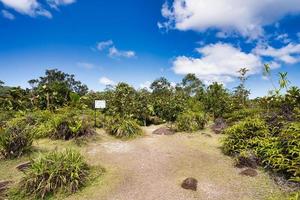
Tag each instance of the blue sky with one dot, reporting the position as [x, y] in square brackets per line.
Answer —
[108, 41]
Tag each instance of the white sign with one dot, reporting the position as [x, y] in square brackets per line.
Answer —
[100, 104]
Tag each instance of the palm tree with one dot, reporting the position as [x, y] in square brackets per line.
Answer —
[283, 81]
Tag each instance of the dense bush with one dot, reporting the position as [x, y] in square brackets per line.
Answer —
[15, 138]
[121, 127]
[240, 114]
[244, 135]
[280, 153]
[283, 152]
[67, 127]
[55, 172]
[5, 116]
[190, 121]
[41, 123]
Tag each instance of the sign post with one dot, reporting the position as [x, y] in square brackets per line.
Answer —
[99, 104]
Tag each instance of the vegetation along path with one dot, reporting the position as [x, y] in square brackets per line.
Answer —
[153, 167]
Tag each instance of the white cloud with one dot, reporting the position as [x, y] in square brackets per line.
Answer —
[8, 15]
[247, 17]
[113, 51]
[85, 65]
[173, 84]
[218, 62]
[56, 3]
[106, 81]
[27, 7]
[289, 54]
[104, 44]
[145, 85]
[283, 38]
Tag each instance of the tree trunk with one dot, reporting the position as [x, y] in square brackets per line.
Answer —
[48, 100]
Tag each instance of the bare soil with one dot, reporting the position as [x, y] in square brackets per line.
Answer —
[153, 167]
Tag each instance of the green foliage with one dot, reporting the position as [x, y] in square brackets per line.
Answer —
[55, 89]
[67, 127]
[192, 86]
[6, 116]
[279, 153]
[190, 121]
[244, 135]
[241, 114]
[241, 94]
[55, 172]
[14, 98]
[122, 128]
[15, 138]
[217, 100]
[290, 143]
[41, 123]
[161, 85]
[294, 196]
[122, 100]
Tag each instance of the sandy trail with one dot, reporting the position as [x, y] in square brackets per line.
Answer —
[153, 167]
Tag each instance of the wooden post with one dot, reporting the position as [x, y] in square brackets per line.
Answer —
[95, 118]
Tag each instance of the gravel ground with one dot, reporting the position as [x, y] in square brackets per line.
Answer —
[152, 168]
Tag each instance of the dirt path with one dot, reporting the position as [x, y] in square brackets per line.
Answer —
[153, 167]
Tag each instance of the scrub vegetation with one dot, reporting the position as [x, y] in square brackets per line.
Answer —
[59, 108]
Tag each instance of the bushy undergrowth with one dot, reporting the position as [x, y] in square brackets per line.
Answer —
[241, 114]
[283, 154]
[55, 172]
[244, 135]
[122, 127]
[277, 152]
[41, 123]
[67, 127]
[190, 121]
[5, 116]
[15, 139]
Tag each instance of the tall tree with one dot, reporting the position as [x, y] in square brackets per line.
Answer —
[121, 100]
[192, 85]
[217, 100]
[53, 90]
[1, 83]
[161, 85]
[241, 93]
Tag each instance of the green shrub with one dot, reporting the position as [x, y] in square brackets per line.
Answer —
[295, 196]
[241, 114]
[67, 127]
[5, 116]
[121, 127]
[42, 123]
[55, 172]
[290, 139]
[15, 139]
[245, 135]
[282, 153]
[190, 121]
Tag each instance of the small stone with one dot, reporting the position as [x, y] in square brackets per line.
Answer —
[23, 166]
[249, 172]
[190, 184]
[164, 131]
[206, 135]
[250, 161]
[219, 125]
